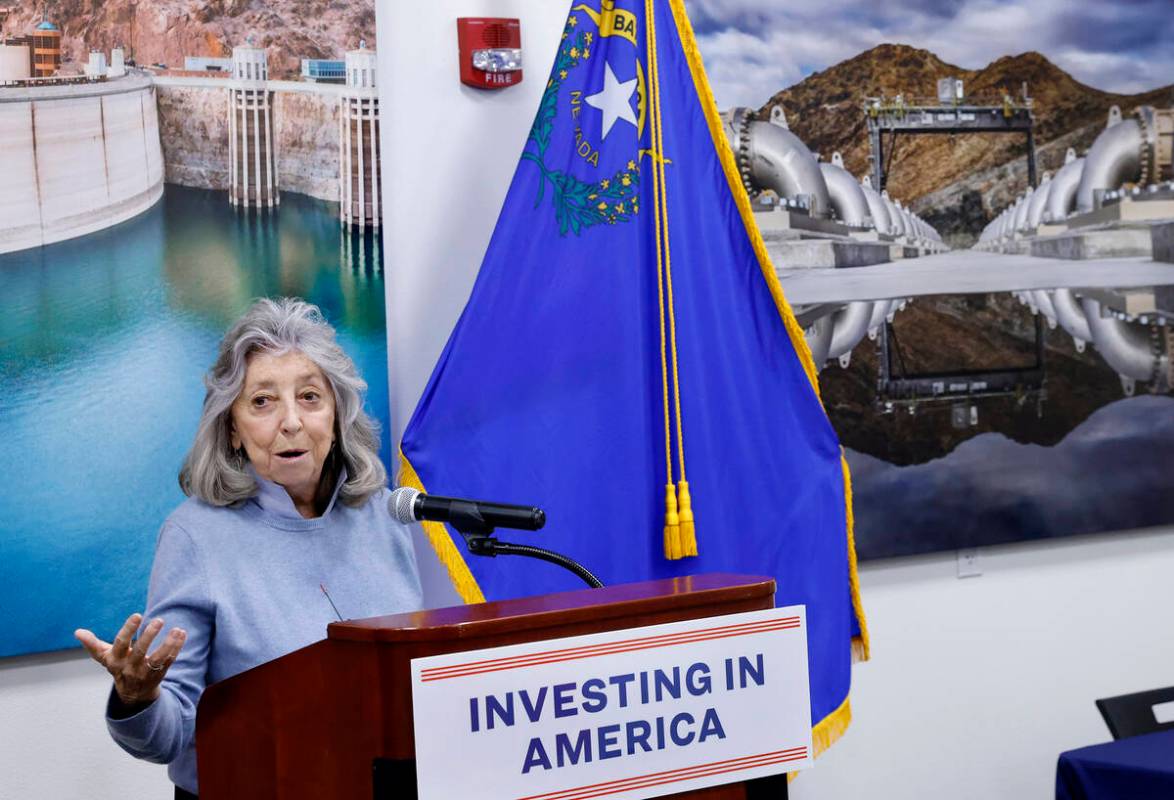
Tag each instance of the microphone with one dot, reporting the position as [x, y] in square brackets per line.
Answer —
[475, 520]
[408, 505]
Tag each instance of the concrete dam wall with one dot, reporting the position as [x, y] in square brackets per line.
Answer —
[76, 158]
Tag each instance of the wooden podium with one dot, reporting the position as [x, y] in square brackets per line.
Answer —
[334, 720]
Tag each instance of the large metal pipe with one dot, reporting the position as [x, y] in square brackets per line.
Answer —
[894, 215]
[1021, 211]
[877, 209]
[906, 222]
[1043, 301]
[1062, 194]
[1071, 317]
[1113, 159]
[819, 339]
[776, 159]
[1004, 221]
[1009, 223]
[847, 199]
[850, 326]
[1035, 209]
[880, 314]
[1123, 346]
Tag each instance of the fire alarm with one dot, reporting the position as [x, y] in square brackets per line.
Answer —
[491, 51]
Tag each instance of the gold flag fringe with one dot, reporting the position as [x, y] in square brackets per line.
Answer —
[831, 727]
[454, 564]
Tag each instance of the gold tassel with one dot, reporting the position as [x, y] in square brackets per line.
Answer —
[672, 525]
[688, 533]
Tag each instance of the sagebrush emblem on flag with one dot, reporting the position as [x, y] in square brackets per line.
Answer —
[585, 194]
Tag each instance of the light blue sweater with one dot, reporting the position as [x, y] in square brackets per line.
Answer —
[244, 583]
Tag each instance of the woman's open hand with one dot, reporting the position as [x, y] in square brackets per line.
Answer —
[137, 675]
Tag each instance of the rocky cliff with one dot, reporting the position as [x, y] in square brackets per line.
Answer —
[193, 126]
[164, 31]
[826, 111]
[306, 127]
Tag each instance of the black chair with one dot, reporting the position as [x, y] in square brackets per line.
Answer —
[1133, 714]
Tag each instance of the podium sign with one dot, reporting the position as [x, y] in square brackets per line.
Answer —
[633, 713]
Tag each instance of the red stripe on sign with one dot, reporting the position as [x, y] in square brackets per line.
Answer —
[745, 626]
[740, 626]
[630, 648]
[675, 775]
[611, 648]
[744, 762]
[608, 648]
[664, 781]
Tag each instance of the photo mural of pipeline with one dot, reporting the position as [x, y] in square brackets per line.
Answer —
[1019, 389]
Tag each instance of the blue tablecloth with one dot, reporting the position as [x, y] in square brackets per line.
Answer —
[1137, 768]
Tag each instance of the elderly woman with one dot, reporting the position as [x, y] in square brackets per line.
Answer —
[286, 518]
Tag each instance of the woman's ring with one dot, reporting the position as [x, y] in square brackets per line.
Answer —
[157, 667]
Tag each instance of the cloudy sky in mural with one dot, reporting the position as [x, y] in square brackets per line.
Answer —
[753, 48]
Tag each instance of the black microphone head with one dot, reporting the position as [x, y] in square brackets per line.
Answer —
[401, 504]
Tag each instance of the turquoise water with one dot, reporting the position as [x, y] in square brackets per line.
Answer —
[104, 341]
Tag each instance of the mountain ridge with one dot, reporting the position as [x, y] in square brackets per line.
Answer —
[165, 31]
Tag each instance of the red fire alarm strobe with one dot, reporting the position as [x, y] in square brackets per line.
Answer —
[491, 51]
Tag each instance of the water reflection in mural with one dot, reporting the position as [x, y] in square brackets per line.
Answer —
[103, 344]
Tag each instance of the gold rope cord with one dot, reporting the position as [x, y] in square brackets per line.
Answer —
[672, 527]
[685, 544]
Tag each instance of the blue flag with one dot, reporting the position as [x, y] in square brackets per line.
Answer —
[627, 360]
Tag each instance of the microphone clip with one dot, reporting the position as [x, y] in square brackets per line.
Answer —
[470, 524]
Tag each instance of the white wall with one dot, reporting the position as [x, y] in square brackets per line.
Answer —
[53, 741]
[975, 686]
[447, 154]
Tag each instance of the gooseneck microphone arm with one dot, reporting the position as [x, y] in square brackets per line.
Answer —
[486, 545]
[476, 522]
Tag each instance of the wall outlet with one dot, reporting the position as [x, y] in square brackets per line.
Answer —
[968, 566]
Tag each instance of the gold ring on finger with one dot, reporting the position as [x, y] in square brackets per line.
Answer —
[157, 667]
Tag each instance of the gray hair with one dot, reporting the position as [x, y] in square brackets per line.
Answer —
[214, 471]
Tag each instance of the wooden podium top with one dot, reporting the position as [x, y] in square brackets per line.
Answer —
[629, 601]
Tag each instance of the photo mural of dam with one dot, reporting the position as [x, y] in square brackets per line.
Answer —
[143, 209]
[106, 341]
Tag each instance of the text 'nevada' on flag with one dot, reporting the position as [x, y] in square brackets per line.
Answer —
[627, 361]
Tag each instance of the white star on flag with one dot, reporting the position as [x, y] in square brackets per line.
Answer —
[615, 101]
